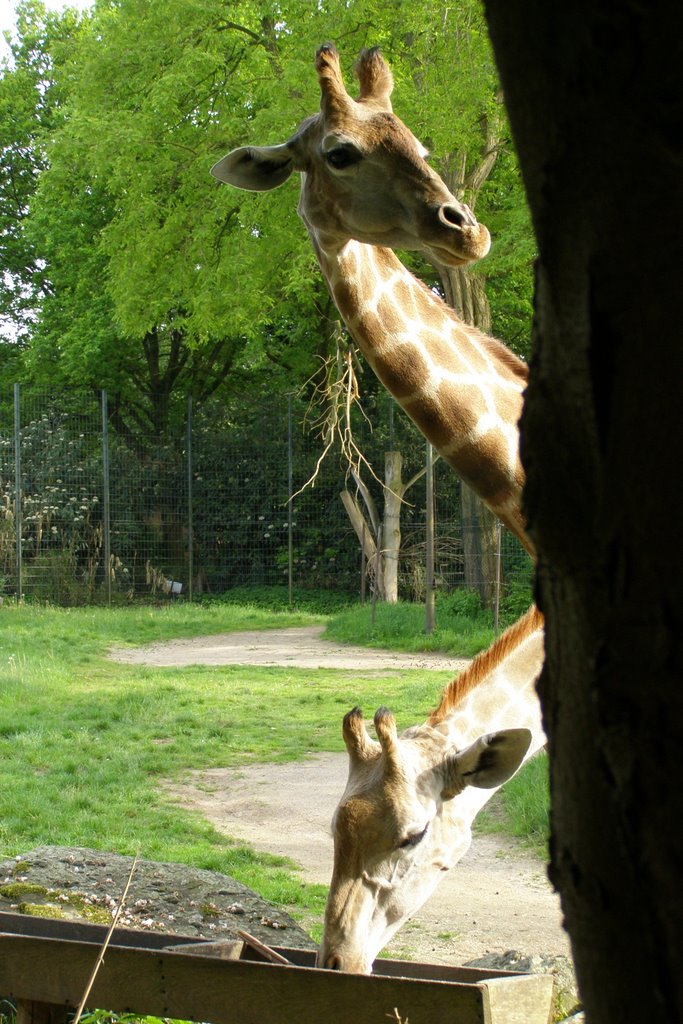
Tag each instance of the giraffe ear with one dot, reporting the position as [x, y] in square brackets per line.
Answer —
[487, 763]
[255, 168]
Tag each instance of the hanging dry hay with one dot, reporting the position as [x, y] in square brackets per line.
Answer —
[337, 394]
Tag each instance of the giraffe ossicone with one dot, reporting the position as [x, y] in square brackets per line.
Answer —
[366, 188]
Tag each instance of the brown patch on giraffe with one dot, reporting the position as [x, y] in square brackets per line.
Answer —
[390, 314]
[478, 463]
[438, 424]
[403, 370]
[485, 663]
[346, 299]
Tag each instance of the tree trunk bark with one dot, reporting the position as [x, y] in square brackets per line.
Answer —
[391, 529]
[595, 102]
[385, 563]
[480, 545]
[466, 293]
[363, 531]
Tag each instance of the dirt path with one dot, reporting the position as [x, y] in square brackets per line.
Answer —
[298, 646]
[497, 898]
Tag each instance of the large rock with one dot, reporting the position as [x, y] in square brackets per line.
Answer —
[566, 999]
[76, 883]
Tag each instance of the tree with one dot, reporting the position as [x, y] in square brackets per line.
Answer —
[149, 286]
[31, 109]
[379, 532]
[595, 100]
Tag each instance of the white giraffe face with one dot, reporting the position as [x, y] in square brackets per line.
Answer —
[404, 818]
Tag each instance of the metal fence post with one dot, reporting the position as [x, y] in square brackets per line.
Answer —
[430, 594]
[499, 558]
[190, 518]
[106, 494]
[17, 489]
[290, 485]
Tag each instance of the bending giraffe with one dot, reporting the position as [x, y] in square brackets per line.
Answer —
[406, 814]
[365, 186]
[408, 807]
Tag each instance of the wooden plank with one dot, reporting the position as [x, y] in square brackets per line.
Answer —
[169, 984]
[80, 931]
[251, 943]
[525, 999]
[221, 949]
[45, 961]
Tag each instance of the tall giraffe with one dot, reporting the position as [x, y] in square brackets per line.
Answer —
[406, 814]
[366, 186]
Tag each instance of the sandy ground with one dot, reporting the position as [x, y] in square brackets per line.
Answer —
[299, 646]
[498, 898]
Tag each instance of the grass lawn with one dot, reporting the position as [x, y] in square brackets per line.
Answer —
[84, 740]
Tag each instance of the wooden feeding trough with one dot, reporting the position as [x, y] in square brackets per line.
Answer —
[45, 966]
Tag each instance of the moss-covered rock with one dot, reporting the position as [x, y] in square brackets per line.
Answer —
[15, 890]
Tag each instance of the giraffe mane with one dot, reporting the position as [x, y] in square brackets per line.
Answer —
[500, 352]
[484, 664]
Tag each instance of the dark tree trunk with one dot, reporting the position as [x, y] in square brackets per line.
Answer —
[479, 545]
[594, 95]
[466, 293]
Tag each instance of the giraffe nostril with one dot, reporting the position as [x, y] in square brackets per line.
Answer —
[456, 215]
[334, 962]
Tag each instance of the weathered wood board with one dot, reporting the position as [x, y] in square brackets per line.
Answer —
[49, 962]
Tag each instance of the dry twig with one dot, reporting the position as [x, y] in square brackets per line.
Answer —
[100, 958]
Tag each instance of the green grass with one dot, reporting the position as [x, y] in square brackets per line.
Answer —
[525, 802]
[526, 799]
[84, 741]
[401, 627]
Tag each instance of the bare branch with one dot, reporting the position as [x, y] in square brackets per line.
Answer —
[338, 394]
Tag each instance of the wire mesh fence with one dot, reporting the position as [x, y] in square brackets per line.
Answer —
[89, 514]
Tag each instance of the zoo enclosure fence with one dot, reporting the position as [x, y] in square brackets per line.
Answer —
[90, 514]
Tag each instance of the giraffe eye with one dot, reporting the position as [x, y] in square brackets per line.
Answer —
[342, 157]
[414, 839]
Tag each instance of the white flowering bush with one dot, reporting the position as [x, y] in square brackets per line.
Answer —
[61, 510]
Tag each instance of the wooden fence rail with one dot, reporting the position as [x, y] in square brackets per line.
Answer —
[45, 966]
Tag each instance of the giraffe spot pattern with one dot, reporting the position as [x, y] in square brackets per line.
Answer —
[450, 381]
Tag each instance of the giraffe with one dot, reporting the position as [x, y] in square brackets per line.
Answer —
[406, 814]
[366, 187]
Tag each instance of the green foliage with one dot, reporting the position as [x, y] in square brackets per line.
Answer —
[143, 275]
[460, 602]
[518, 597]
[8, 1011]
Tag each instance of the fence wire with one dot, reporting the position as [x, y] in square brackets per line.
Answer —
[89, 514]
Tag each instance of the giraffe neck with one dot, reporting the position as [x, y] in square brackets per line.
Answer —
[461, 388]
[497, 691]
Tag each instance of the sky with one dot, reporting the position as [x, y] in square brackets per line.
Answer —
[8, 15]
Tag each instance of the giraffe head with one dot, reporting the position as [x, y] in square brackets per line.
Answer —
[364, 174]
[404, 818]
